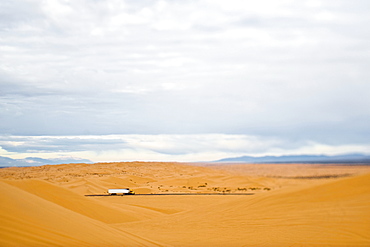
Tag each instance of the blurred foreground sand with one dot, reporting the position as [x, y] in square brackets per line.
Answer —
[290, 205]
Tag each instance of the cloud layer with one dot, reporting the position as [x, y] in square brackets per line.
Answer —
[292, 71]
[186, 148]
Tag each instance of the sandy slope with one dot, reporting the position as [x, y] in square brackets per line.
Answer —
[332, 214]
[47, 206]
[28, 220]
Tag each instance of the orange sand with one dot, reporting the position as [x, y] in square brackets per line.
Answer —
[291, 205]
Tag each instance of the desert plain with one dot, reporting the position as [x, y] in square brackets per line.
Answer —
[179, 204]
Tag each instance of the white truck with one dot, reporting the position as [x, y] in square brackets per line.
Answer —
[126, 191]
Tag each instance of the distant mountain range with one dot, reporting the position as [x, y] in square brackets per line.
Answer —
[305, 159]
[32, 161]
[349, 158]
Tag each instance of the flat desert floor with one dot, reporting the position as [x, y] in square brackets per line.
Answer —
[219, 205]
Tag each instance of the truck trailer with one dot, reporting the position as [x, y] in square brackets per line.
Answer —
[126, 191]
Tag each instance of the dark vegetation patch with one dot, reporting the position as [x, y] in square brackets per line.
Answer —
[326, 176]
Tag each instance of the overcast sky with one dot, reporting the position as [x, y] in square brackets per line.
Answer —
[183, 80]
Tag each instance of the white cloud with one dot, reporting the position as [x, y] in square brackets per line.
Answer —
[282, 70]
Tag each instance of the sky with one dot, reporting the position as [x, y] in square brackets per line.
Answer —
[187, 80]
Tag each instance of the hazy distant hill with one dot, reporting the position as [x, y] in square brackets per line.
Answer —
[33, 161]
[350, 158]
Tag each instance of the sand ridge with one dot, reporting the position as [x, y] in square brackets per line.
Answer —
[47, 206]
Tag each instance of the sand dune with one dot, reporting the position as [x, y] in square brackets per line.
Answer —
[47, 206]
[69, 200]
[28, 220]
[333, 214]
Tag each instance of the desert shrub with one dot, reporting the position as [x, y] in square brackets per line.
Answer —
[254, 188]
